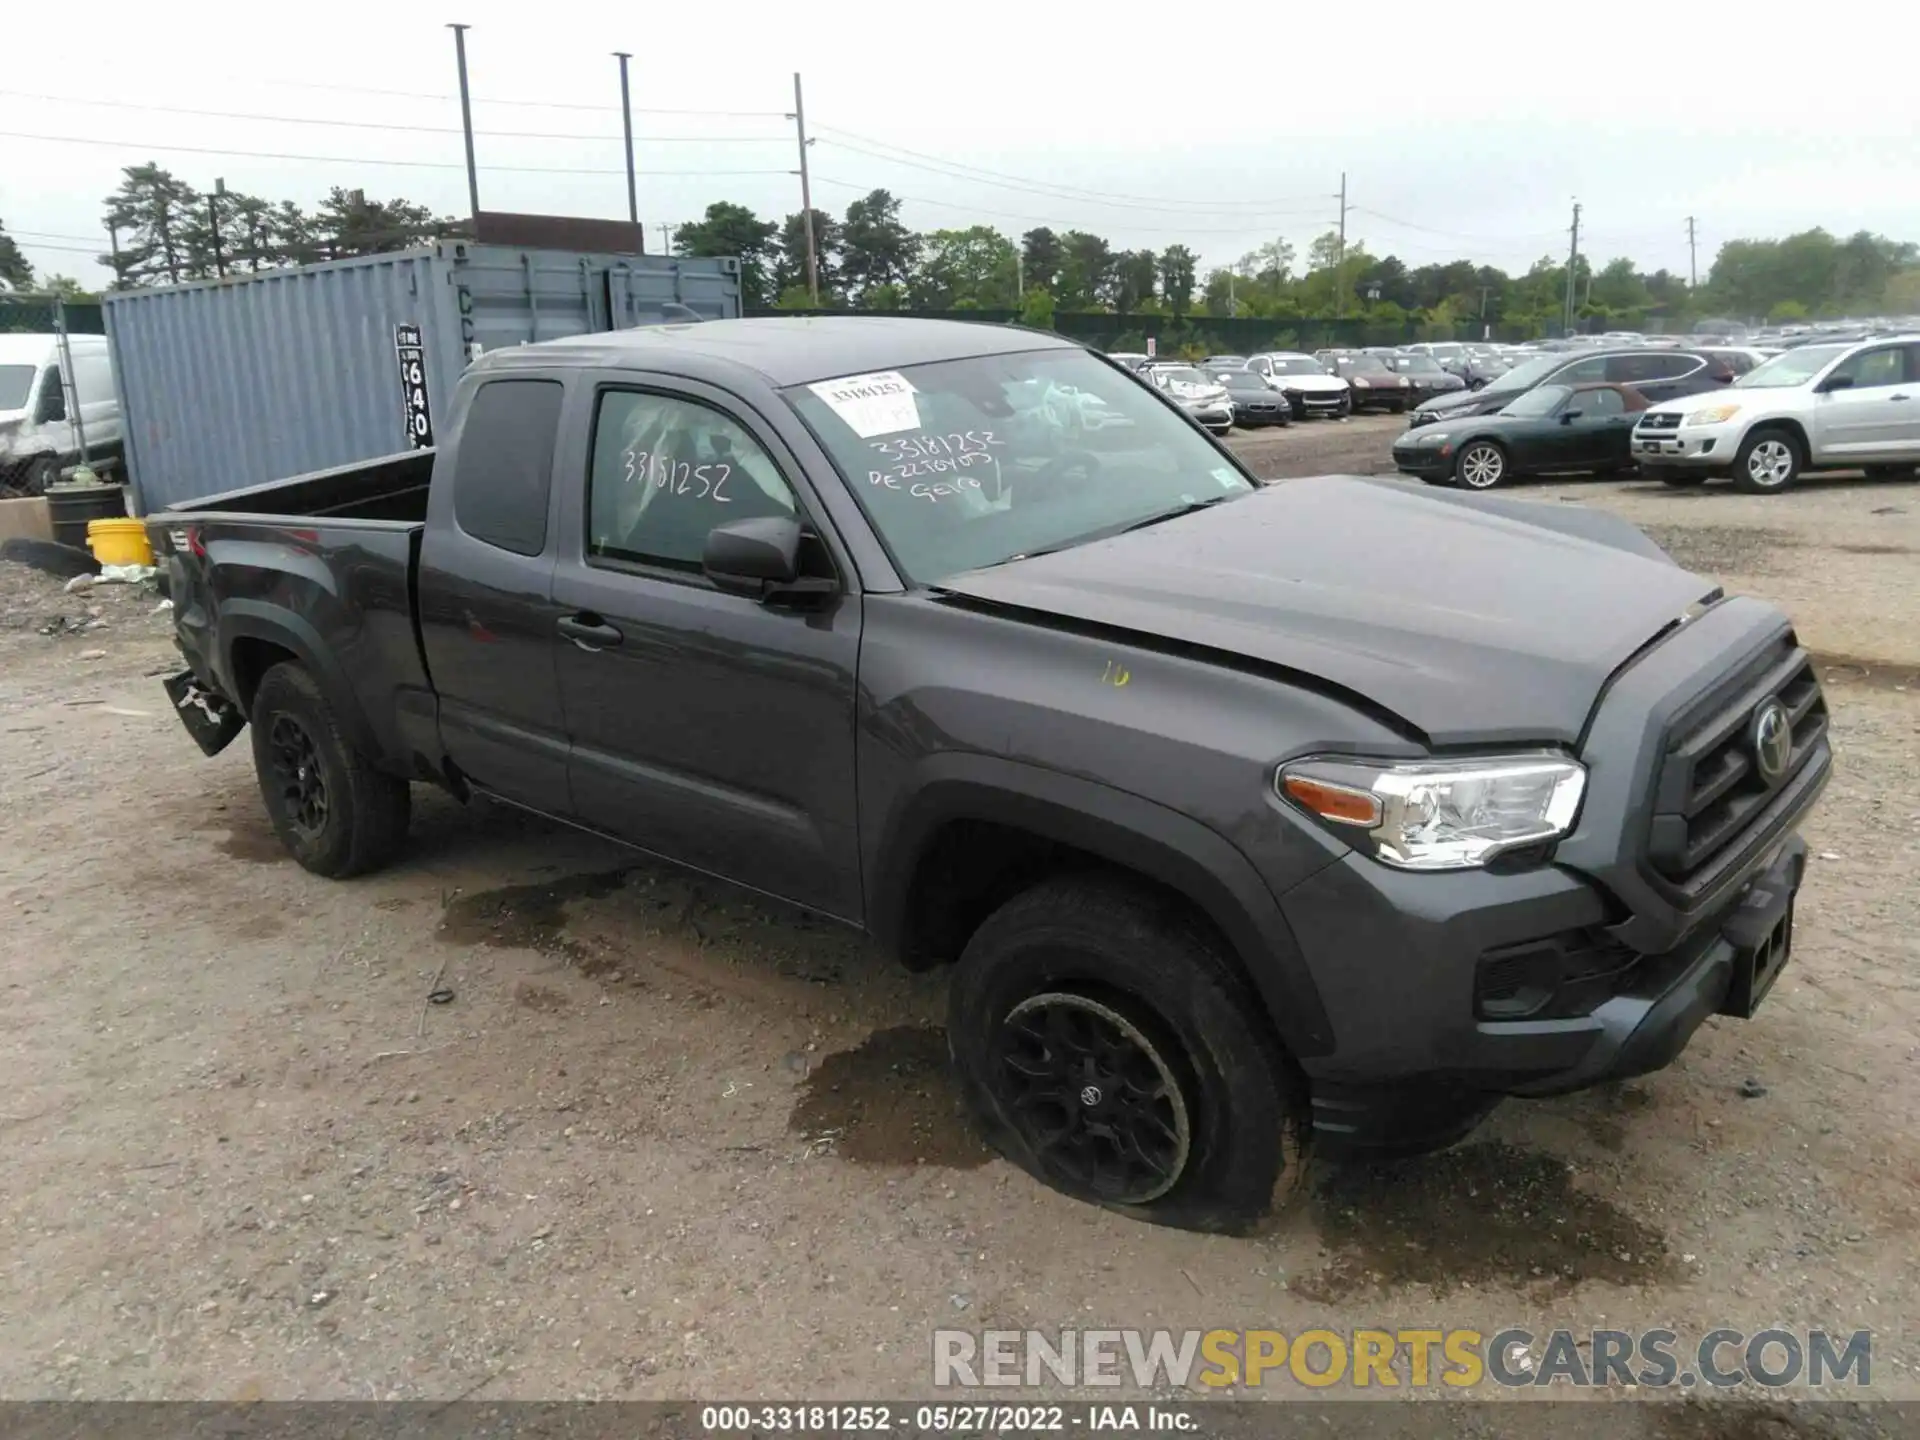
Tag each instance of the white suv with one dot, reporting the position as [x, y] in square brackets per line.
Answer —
[1845, 406]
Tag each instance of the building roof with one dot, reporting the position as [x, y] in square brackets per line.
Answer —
[791, 350]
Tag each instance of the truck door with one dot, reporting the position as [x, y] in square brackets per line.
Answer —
[487, 613]
[708, 728]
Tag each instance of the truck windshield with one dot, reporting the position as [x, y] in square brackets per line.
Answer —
[15, 382]
[966, 463]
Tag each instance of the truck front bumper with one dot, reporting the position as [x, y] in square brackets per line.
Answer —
[1447, 991]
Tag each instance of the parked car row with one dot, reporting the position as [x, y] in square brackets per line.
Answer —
[1683, 416]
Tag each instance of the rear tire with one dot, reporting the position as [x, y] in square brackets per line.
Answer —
[1767, 463]
[1891, 472]
[335, 813]
[1111, 1052]
[1480, 465]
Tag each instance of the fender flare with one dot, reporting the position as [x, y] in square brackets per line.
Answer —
[1119, 827]
[275, 624]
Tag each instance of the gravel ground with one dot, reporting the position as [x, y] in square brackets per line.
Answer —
[664, 1142]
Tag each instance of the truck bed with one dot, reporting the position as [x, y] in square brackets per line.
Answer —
[392, 488]
[320, 568]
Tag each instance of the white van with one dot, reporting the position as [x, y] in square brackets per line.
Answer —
[39, 439]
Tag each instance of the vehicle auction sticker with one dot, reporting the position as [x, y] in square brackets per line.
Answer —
[876, 404]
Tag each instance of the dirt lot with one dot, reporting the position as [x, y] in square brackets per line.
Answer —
[666, 1143]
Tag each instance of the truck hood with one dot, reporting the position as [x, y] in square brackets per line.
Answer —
[1474, 620]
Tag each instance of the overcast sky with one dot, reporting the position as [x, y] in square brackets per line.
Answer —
[1462, 131]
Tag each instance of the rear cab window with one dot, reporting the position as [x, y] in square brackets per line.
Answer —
[503, 474]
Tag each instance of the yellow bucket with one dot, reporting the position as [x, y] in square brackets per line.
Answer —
[119, 542]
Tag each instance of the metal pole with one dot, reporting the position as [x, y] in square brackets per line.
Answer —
[626, 122]
[213, 216]
[67, 382]
[466, 118]
[113, 239]
[1693, 263]
[1573, 259]
[1340, 265]
[806, 193]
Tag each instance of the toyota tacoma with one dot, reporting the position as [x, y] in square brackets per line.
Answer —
[1234, 829]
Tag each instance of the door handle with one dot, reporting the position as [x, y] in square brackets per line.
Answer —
[1899, 397]
[589, 631]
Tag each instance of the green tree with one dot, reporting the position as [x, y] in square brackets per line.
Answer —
[66, 287]
[876, 248]
[972, 269]
[347, 223]
[156, 214]
[15, 272]
[1041, 256]
[1085, 263]
[1131, 279]
[1037, 308]
[730, 229]
[790, 261]
[1177, 267]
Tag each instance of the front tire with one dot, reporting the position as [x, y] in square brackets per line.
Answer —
[1110, 1051]
[1481, 465]
[335, 813]
[1767, 462]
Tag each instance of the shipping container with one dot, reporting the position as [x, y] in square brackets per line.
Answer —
[229, 383]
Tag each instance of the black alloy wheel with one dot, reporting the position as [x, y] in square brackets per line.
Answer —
[299, 777]
[1094, 1098]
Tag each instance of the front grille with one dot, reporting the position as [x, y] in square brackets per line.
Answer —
[1710, 788]
[1660, 420]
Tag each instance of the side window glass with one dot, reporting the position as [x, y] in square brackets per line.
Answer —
[1885, 366]
[1582, 372]
[505, 465]
[1602, 402]
[52, 404]
[665, 472]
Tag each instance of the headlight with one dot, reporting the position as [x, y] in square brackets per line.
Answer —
[1713, 415]
[1360, 381]
[1433, 437]
[1401, 382]
[1439, 814]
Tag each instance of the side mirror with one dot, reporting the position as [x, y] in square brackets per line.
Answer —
[1836, 382]
[1567, 417]
[760, 559]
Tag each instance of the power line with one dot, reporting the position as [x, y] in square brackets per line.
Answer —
[1455, 234]
[144, 145]
[412, 129]
[958, 170]
[498, 100]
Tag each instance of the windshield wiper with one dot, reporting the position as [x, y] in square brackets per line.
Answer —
[1174, 514]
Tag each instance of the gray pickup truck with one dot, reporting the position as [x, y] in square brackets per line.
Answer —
[1245, 815]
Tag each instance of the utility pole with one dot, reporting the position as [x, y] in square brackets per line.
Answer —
[466, 118]
[1573, 259]
[1340, 265]
[213, 220]
[806, 193]
[1233, 305]
[1019, 277]
[1693, 263]
[626, 124]
[667, 228]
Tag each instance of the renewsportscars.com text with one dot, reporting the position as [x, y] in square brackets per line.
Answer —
[1387, 1359]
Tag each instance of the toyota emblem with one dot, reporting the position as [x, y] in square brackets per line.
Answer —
[1772, 741]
